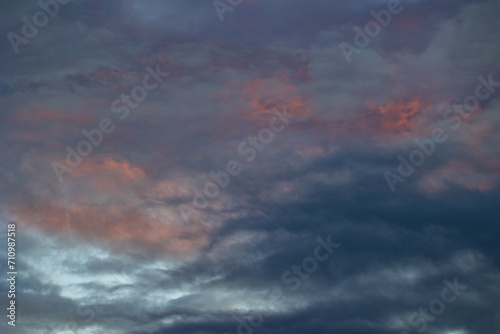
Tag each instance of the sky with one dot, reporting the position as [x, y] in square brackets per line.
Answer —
[250, 166]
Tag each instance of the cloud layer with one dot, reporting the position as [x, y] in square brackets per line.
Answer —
[109, 249]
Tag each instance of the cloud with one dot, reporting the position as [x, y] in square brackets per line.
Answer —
[108, 250]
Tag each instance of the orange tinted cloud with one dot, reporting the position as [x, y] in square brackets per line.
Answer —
[109, 175]
[393, 118]
[396, 116]
[462, 174]
[267, 96]
[111, 201]
[113, 224]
